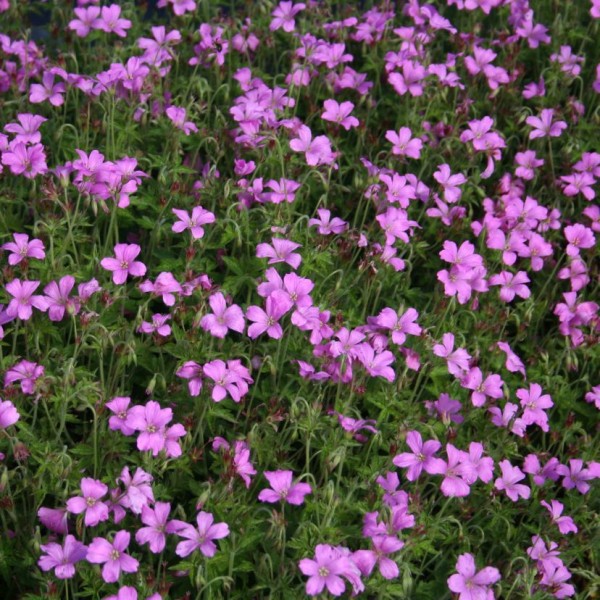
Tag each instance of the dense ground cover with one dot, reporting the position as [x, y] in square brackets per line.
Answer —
[299, 299]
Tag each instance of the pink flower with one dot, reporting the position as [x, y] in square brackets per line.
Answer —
[177, 116]
[22, 248]
[191, 371]
[165, 285]
[511, 285]
[528, 162]
[325, 570]
[422, 457]
[159, 325]
[223, 318]
[277, 305]
[62, 558]
[491, 387]
[201, 538]
[282, 489]
[23, 301]
[340, 114]
[317, 151]
[377, 364]
[382, 545]
[283, 16]
[565, 524]
[578, 237]
[457, 360]
[27, 130]
[111, 22]
[534, 404]
[118, 421]
[280, 250]
[471, 584]
[47, 90]
[457, 473]
[400, 326]
[27, 373]
[543, 125]
[124, 264]
[57, 298]
[403, 144]
[150, 421]
[112, 556]
[575, 476]
[509, 482]
[449, 183]
[8, 414]
[229, 378]
[28, 161]
[157, 526]
[513, 363]
[199, 217]
[87, 19]
[89, 502]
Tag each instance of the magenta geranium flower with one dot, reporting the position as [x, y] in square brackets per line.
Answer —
[267, 320]
[544, 125]
[509, 482]
[150, 421]
[201, 537]
[58, 300]
[565, 523]
[223, 318]
[157, 525]
[27, 373]
[326, 570]
[471, 584]
[283, 15]
[112, 556]
[124, 263]
[457, 360]
[23, 299]
[403, 144]
[8, 414]
[22, 248]
[282, 489]
[339, 113]
[90, 502]
[421, 458]
[62, 558]
[194, 223]
[280, 250]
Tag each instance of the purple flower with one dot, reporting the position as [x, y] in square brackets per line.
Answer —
[382, 546]
[191, 371]
[403, 144]
[22, 248]
[340, 114]
[57, 298]
[124, 263]
[27, 373]
[401, 326]
[543, 125]
[534, 404]
[23, 300]
[201, 538]
[229, 378]
[325, 570]
[282, 488]
[422, 457]
[89, 502]
[47, 90]
[165, 285]
[457, 360]
[111, 22]
[150, 421]
[283, 15]
[157, 526]
[317, 151]
[28, 161]
[119, 406]
[575, 476]
[200, 217]
[62, 558]
[138, 491]
[276, 305]
[565, 524]
[280, 250]
[223, 318]
[112, 556]
[8, 414]
[509, 482]
[87, 19]
[54, 519]
[469, 583]
[159, 325]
